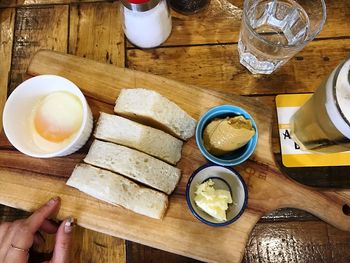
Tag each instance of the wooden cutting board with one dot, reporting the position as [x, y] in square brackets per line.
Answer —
[27, 182]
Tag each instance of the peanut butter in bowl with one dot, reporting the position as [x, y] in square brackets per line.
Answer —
[224, 135]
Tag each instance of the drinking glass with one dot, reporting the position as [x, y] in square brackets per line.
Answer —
[273, 31]
[322, 124]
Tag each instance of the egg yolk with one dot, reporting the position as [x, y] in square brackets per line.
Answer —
[58, 116]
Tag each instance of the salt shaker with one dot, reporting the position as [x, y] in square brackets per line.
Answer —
[147, 23]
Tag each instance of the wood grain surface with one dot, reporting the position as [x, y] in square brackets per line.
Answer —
[36, 28]
[199, 65]
[19, 3]
[7, 22]
[106, 42]
[217, 26]
[92, 247]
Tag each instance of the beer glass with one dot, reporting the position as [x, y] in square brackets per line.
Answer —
[273, 31]
[322, 124]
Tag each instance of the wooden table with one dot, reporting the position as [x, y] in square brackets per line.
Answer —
[202, 50]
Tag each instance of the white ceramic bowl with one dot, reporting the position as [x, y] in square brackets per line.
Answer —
[20, 104]
[225, 178]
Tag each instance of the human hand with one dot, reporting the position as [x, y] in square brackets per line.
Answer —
[17, 238]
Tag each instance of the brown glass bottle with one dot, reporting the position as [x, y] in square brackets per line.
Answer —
[188, 7]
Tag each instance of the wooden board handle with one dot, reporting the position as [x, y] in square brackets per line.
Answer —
[330, 206]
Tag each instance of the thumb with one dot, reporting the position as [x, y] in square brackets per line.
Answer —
[63, 242]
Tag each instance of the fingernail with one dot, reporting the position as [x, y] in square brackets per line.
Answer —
[69, 224]
[53, 200]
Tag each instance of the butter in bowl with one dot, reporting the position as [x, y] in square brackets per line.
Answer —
[216, 195]
[226, 135]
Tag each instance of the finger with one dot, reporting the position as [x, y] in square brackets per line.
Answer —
[63, 242]
[18, 246]
[16, 254]
[3, 230]
[4, 236]
[49, 227]
[12, 232]
[35, 221]
[20, 239]
[38, 239]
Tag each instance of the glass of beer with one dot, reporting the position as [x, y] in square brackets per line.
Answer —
[322, 124]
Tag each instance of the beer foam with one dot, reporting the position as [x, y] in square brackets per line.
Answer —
[343, 90]
[342, 95]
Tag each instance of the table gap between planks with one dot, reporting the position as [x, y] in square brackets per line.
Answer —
[202, 50]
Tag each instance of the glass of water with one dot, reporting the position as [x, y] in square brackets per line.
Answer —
[273, 31]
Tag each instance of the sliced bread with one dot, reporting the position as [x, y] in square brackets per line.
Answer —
[136, 165]
[143, 138]
[118, 190]
[151, 108]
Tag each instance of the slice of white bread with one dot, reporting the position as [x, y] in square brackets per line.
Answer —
[151, 108]
[118, 190]
[136, 165]
[143, 138]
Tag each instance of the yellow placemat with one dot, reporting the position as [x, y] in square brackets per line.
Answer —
[292, 156]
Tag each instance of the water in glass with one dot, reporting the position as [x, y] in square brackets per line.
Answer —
[272, 31]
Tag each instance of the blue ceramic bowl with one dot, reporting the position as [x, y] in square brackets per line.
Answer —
[237, 156]
[225, 178]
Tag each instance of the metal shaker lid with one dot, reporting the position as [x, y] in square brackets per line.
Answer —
[140, 5]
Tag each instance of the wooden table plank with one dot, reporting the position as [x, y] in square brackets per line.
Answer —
[217, 67]
[7, 22]
[18, 3]
[36, 28]
[9, 214]
[137, 253]
[105, 43]
[339, 244]
[219, 23]
[90, 246]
